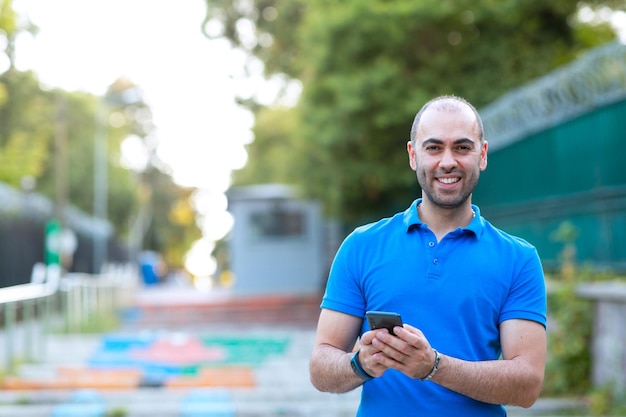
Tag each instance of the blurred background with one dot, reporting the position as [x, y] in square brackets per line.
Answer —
[228, 146]
[125, 124]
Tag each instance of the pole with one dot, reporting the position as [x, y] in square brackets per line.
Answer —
[60, 158]
[9, 329]
[100, 186]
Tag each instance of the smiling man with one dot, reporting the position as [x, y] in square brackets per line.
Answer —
[472, 297]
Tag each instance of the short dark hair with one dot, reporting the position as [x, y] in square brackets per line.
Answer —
[448, 98]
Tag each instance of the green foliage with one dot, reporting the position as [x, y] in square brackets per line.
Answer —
[98, 324]
[11, 25]
[605, 401]
[21, 157]
[368, 66]
[600, 401]
[568, 368]
[49, 135]
[276, 140]
[570, 331]
[172, 226]
[373, 65]
[25, 137]
[23, 400]
[274, 23]
[117, 412]
[7, 17]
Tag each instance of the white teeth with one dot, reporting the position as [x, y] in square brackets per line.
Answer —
[448, 180]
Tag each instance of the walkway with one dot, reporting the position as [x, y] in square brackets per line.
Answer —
[182, 353]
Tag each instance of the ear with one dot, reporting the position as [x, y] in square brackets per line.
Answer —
[412, 158]
[483, 156]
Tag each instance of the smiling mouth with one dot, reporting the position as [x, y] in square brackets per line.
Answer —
[449, 180]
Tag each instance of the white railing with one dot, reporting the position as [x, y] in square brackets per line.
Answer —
[53, 301]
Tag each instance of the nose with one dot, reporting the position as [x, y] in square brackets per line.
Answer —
[447, 159]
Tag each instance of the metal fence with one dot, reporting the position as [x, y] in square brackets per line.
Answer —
[58, 302]
[555, 160]
[596, 79]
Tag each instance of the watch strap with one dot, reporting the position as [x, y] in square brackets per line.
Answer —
[435, 366]
[358, 369]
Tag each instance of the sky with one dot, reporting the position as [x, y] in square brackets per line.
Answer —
[189, 82]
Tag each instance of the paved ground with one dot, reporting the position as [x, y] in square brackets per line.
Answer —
[181, 353]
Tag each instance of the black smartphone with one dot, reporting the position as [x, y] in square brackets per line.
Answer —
[383, 320]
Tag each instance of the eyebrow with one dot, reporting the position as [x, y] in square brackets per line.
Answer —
[455, 142]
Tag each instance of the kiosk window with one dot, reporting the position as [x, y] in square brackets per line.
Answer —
[277, 222]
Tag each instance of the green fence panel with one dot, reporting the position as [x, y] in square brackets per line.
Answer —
[572, 172]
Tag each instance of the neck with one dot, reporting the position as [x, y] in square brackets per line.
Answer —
[443, 220]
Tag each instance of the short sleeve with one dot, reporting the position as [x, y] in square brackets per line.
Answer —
[527, 295]
[344, 290]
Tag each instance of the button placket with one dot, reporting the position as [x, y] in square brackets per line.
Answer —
[433, 250]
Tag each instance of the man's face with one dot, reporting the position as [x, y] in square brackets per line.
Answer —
[447, 154]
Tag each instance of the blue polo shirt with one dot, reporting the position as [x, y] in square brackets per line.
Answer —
[457, 291]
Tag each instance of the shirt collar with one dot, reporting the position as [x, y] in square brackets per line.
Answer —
[411, 218]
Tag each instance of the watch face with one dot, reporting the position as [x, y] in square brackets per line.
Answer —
[353, 365]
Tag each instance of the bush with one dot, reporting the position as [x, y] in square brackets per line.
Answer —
[568, 368]
[570, 332]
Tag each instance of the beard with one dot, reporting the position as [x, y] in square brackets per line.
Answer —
[448, 199]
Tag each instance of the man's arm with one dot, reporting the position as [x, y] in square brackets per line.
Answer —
[329, 365]
[517, 379]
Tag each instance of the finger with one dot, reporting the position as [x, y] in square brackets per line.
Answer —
[413, 337]
[369, 360]
[392, 348]
[399, 339]
[411, 329]
[366, 338]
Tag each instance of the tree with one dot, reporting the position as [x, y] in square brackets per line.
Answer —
[149, 210]
[49, 136]
[24, 137]
[277, 139]
[11, 25]
[172, 227]
[368, 66]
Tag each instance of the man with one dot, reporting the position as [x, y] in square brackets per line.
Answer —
[472, 297]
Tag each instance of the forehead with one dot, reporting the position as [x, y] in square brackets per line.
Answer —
[448, 120]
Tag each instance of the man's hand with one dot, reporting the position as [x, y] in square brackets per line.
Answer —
[408, 351]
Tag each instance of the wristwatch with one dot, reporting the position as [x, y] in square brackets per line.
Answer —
[435, 366]
[358, 369]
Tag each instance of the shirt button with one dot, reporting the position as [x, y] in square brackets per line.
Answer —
[431, 244]
[435, 261]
